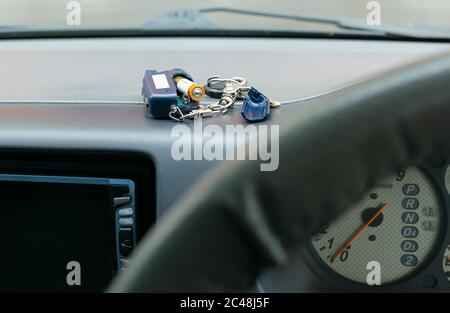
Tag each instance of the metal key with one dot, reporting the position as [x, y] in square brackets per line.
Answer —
[274, 103]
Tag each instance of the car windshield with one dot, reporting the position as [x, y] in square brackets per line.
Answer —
[135, 14]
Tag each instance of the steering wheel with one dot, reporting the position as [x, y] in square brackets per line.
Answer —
[250, 220]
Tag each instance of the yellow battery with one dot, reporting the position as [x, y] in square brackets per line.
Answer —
[195, 91]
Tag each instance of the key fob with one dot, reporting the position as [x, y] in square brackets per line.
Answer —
[256, 106]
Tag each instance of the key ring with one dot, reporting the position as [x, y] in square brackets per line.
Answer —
[215, 85]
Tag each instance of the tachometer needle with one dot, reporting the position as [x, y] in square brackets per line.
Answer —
[359, 231]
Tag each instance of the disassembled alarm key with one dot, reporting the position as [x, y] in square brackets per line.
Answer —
[160, 92]
[174, 94]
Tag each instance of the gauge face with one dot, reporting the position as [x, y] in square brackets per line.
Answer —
[396, 224]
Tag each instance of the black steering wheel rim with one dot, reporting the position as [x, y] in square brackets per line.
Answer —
[250, 220]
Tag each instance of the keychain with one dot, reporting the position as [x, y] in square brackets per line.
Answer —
[174, 94]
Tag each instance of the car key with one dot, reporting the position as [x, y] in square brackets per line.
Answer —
[256, 106]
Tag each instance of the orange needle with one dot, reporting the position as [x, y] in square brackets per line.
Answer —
[359, 232]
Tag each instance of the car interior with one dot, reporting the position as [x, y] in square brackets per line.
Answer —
[252, 147]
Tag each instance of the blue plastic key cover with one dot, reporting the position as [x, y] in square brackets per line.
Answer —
[256, 106]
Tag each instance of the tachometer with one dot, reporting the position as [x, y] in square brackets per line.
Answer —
[396, 224]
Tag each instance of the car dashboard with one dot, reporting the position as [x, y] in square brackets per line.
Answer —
[73, 107]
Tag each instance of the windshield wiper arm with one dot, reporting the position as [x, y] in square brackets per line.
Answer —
[195, 18]
[348, 24]
[340, 23]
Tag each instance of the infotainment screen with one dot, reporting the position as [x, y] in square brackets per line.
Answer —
[63, 233]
